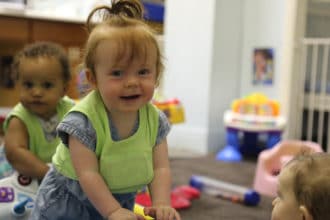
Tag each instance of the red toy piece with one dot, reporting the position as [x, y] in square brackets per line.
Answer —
[179, 202]
[180, 197]
[187, 192]
[143, 199]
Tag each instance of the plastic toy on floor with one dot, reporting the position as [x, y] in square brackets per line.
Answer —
[251, 116]
[180, 197]
[17, 195]
[271, 161]
[225, 190]
[186, 192]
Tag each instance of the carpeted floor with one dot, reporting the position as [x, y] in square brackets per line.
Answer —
[211, 208]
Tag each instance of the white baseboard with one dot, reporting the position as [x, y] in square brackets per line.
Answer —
[182, 137]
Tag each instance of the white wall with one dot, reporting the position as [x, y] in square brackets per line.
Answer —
[263, 27]
[273, 24]
[226, 68]
[188, 49]
[209, 45]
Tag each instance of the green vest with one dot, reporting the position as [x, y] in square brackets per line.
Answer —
[38, 144]
[125, 165]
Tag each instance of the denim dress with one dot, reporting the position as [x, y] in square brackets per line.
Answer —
[62, 198]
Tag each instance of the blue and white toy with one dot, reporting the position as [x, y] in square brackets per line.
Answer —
[17, 195]
[225, 190]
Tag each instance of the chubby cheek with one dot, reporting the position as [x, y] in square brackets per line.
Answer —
[149, 90]
[109, 94]
[24, 96]
[283, 212]
[150, 94]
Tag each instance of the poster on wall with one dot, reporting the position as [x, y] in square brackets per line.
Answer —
[263, 66]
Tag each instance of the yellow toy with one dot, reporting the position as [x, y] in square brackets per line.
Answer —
[138, 209]
[256, 104]
[172, 109]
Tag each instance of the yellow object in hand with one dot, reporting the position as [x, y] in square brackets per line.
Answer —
[138, 209]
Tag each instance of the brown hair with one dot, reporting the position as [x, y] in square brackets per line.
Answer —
[44, 49]
[311, 183]
[136, 36]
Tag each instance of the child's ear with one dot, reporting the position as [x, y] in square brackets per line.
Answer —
[65, 88]
[90, 77]
[305, 213]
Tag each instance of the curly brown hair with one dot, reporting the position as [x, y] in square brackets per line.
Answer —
[43, 49]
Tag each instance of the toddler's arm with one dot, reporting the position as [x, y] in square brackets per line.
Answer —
[160, 187]
[86, 165]
[18, 154]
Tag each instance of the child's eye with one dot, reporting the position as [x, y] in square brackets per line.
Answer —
[144, 72]
[117, 73]
[28, 84]
[48, 85]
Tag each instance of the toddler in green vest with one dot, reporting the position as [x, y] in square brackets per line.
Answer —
[42, 76]
[113, 140]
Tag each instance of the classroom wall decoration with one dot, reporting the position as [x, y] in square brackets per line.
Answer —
[263, 66]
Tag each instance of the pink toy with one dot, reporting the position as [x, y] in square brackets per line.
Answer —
[270, 162]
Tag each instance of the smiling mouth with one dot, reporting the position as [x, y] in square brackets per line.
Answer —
[131, 97]
[36, 103]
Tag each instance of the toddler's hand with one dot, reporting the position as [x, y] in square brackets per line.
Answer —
[124, 214]
[162, 212]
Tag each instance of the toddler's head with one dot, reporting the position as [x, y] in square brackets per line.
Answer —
[43, 73]
[122, 56]
[304, 189]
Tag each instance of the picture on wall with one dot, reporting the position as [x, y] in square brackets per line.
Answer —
[263, 66]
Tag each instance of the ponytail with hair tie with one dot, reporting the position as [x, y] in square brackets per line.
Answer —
[119, 8]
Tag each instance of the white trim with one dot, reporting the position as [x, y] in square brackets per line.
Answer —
[187, 138]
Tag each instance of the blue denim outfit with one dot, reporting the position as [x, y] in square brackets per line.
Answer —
[60, 197]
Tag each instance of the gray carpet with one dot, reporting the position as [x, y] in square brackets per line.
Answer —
[208, 207]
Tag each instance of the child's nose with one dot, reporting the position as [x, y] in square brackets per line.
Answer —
[37, 91]
[131, 81]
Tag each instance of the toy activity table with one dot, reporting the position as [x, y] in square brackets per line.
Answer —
[250, 127]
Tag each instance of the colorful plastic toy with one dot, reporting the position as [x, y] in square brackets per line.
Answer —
[172, 109]
[271, 161]
[17, 195]
[139, 209]
[256, 104]
[180, 197]
[251, 116]
[187, 192]
[224, 190]
[143, 198]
